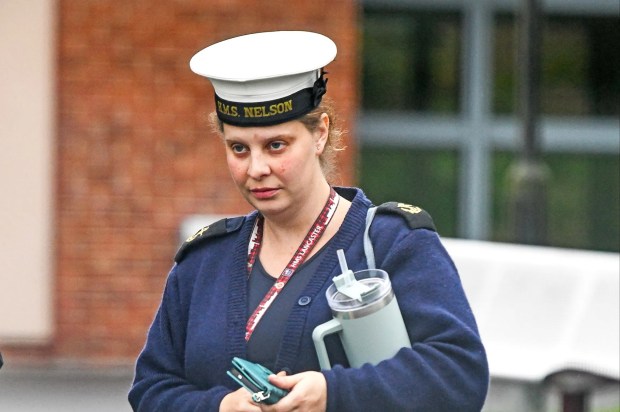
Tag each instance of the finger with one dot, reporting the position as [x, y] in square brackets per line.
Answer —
[284, 381]
[239, 400]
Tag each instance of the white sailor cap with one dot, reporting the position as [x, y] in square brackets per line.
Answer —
[262, 79]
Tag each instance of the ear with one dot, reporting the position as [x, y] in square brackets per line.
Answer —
[322, 133]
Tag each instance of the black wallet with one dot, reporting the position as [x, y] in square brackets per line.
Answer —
[253, 377]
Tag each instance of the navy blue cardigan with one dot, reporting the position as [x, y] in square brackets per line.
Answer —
[200, 324]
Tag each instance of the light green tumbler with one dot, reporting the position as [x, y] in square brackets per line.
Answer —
[366, 317]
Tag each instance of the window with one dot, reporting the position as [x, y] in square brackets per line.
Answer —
[433, 135]
[411, 61]
[583, 200]
[580, 66]
[424, 178]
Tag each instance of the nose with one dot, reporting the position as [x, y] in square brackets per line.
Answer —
[258, 166]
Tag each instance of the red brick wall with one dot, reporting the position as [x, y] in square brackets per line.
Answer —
[135, 154]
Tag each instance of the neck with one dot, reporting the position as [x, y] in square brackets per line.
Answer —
[280, 241]
[296, 223]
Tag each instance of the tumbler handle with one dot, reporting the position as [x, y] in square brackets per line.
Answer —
[318, 336]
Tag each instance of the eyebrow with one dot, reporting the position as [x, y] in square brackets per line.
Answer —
[262, 139]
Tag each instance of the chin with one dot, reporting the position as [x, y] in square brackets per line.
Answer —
[269, 207]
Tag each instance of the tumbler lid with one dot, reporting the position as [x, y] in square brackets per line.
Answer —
[377, 293]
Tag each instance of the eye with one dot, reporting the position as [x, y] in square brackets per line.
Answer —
[276, 145]
[237, 148]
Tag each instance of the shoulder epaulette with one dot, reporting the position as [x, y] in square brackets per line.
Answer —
[219, 228]
[416, 217]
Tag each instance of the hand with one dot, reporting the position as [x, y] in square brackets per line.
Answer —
[239, 401]
[308, 393]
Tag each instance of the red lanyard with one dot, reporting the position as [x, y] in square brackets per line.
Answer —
[304, 249]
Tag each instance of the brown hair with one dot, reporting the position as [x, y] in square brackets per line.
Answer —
[311, 121]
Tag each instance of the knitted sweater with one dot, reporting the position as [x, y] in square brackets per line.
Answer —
[200, 324]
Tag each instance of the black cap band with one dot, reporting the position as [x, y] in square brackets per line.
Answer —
[273, 111]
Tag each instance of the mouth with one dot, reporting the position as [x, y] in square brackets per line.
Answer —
[264, 192]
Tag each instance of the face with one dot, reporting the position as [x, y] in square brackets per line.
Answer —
[276, 168]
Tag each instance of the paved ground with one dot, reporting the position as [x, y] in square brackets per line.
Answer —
[105, 390]
[30, 390]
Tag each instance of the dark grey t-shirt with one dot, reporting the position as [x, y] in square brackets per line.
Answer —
[264, 345]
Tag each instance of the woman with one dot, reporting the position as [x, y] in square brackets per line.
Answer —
[254, 286]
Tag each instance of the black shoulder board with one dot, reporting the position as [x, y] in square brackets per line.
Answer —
[219, 228]
[416, 217]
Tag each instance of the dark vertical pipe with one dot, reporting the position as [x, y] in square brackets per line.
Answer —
[529, 176]
[529, 72]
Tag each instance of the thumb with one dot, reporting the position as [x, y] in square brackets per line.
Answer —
[283, 381]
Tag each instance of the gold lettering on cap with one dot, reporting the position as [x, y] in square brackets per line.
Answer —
[228, 109]
[267, 111]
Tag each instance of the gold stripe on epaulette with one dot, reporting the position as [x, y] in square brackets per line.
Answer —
[409, 208]
[197, 234]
